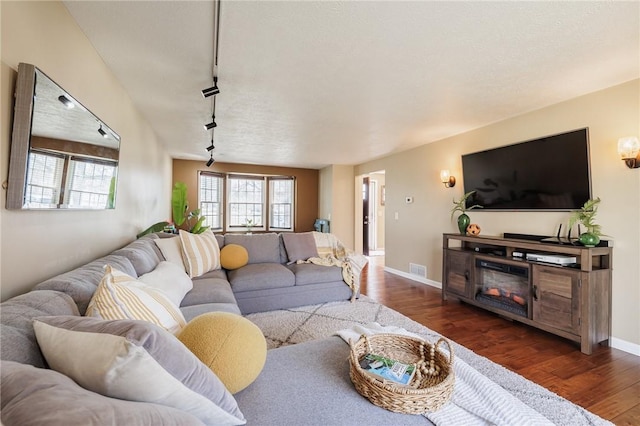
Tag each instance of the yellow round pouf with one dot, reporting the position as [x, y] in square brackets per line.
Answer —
[233, 256]
[231, 346]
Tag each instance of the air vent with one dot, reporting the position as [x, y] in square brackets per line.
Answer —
[419, 270]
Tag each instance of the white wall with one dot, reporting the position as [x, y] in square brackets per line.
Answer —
[336, 201]
[36, 245]
[417, 234]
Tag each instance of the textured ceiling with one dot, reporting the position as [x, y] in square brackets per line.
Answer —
[308, 84]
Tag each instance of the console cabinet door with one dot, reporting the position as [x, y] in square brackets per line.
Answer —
[458, 273]
[556, 298]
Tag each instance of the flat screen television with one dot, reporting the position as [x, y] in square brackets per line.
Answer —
[549, 173]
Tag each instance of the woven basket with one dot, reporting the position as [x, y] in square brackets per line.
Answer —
[426, 394]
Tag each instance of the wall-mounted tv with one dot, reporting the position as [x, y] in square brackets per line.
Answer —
[549, 173]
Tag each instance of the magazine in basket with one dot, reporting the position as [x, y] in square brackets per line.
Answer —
[383, 368]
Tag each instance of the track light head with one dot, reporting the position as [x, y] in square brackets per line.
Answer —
[211, 161]
[210, 91]
[211, 125]
[66, 101]
[211, 147]
[102, 132]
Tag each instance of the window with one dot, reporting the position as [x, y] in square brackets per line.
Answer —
[69, 181]
[211, 190]
[90, 184]
[252, 201]
[246, 201]
[44, 175]
[281, 204]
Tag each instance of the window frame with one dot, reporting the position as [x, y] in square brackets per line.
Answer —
[266, 204]
[221, 200]
[292, 204]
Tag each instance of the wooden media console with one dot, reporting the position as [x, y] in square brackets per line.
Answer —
[571, 300]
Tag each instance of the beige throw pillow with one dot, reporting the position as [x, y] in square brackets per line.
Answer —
[201, 252]
[135, 361]
[171, 249]
[120, 296]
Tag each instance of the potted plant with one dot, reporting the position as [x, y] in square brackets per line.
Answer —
[249, 223]
[586, 216]
[461, 206]
[181, 213]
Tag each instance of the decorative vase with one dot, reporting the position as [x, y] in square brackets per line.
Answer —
[463, 222]
[589, 240]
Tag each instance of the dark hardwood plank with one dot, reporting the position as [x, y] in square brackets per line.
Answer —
[606, 382]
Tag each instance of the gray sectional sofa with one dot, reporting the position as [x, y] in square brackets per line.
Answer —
[33, 394]
[266, 283]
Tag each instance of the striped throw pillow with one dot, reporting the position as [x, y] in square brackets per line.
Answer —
[120, 296]
[201, 252]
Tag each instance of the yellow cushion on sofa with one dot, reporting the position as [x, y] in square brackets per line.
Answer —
[233, 347]
[233, 256]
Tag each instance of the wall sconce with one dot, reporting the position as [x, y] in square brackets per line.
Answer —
[629, 150]
[448, 180]
[102, 132]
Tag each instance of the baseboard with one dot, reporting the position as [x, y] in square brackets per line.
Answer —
[412, 277]
[625, 346]
[614, 342]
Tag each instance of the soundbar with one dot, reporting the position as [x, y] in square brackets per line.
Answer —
[553, 240]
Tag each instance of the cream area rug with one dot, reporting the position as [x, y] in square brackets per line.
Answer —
[291, 326]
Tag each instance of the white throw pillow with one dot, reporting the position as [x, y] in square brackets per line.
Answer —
[171, 279]
[120, 296]
[201, 252]
[171, 249]
[135, 361]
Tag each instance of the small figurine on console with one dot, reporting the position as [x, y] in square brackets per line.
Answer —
[473, 229]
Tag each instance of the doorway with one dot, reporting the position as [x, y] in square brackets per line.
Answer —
[370, 213]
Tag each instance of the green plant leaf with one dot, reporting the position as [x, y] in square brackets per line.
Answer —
[586, 216]
[179, 204]
[111, 199]
[196, 229]
[459, 206]
[156, 227]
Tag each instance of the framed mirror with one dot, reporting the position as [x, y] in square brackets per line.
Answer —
[62, 156]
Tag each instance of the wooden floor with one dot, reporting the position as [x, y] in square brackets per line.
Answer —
[606, 383]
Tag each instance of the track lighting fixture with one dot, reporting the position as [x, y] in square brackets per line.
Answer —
[211, 147]
[102, 132]
[211, 160]
[210, 91]
[66, 101]
[211, 125]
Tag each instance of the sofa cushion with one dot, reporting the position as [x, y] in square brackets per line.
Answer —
[38, 396]
[82, 282]
[171, 249]
[308, 273]
[262, 248]
[143, 253]
[233, 256]
[135, 361]
[209, 290]
[200, 252]
[120, 297]
[300, 246]
[169, 278]
[233, 347]
[260, 276]
[190, 312]
[216, 273]
[17, 338]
